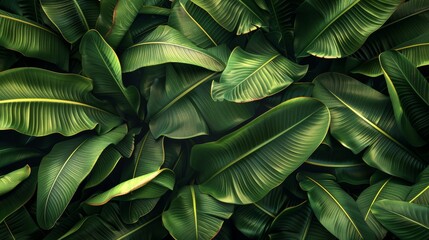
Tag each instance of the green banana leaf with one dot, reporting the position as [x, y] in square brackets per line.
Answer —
[195, 215]
[64, 168]
[103, 167]
[10, 155]
[100, 63]
[253, 219]
[12, 179]
[416, 50]
[243, 166]
[72, 18]
[108, 225]
[362, 118]
[166, 44]
[19, 196]
[409, 93]
[7, 58]
[197, 25]
[405, 220]
[45, 102]
[389, 188]
[298, 223]
[241, 16]
[38, 41]
[336, 29]
[116, 18]
[163, 178]
[19, 225]
[249, 77]
[419, 192]
[155, 10]
[127, 145]
[336, 210]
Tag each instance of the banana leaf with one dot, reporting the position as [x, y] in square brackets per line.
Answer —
[12, 179]
[419, 192]
[19, 225]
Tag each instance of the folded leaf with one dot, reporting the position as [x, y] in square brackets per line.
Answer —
[409, 93]
[195, 215]
[243, 166]
[166, 44]
[32, 40]
[335, 209]
[405, 220]
[362, 118]
[64, 168]
[338, 28]
[10, 180]
[39, 102]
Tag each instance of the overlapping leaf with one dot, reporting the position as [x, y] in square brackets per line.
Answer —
[10, 180]
[419, 192]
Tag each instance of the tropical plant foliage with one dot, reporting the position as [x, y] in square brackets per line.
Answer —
[224, 119]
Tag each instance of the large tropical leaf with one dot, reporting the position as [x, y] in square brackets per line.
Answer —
[362, 118]
[104, 166]
[38, 102]
[10, 155]
[298, 222]
[243, 166]
[10, 180]
[195, 24]
[100, 63]
[409, 93]
[419, 192]
[249, 77]
[19, 196]
[166, 44]
[391, 189]
[64, 168]
[338, 28]
[336, 210]
[116, 18]
[72, 18]
[19, 225]
[32, 39]
[195, 215]
[405, 220]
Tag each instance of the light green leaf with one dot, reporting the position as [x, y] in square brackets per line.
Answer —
[338, 28]
[100, 63]
[196, 25]
[409, 93]
[391, 189]
[249, 77]
[72, 18]
[166, 44]
[163, 178]
[10, 180]
[242, 16]
[19, 225]
[243, 166]
[32, 40]
[362, 119]
[335, 209]
[64, 168]
[405, 220]
[420, 190]
[195, 215]
[116, 18]
[39, 102]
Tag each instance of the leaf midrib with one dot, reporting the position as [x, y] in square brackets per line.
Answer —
[49, 100]
[407, 218]
[405, 17]
[28, 23]
[138, 228]
[375, 198]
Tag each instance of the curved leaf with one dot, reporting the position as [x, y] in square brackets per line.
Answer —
[195, 215]
[362, 118]
[242, 16]
[19, 225]
[116, 18]
[419, 192]
[405, 220]
[10, 180]
[72, 18]
[249, 77]
[196, 25]
[246, 164]
[64, 168]
[164, 178]
[335, 209]
[166, 44]
[409, 93]
[10, 155]
[38, 102]
[100, 63]
[38, 41]
[104, 166]
[338, 28]
[386, 189]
